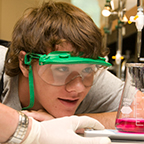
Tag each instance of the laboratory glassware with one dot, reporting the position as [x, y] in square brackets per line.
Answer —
[130, 115]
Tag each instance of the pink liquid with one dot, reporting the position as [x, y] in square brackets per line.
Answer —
[130, 125]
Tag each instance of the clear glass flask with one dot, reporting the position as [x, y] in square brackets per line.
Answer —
[130, 115]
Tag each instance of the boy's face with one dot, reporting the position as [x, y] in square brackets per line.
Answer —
[62, 100]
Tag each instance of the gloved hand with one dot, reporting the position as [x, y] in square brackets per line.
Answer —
[62, 131]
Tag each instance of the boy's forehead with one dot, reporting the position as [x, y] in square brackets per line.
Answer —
[64, 47]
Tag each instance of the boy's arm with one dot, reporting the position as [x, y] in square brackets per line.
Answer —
[9, 119]
[44, 132]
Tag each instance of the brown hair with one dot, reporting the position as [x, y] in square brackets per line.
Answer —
[40, 29]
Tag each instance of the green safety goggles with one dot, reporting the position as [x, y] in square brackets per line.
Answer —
[61, 68]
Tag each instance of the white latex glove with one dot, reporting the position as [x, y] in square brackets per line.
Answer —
[62, 131]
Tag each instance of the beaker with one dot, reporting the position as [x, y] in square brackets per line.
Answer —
[130, 115]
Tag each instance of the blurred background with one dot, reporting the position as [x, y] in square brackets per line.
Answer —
[111, 16]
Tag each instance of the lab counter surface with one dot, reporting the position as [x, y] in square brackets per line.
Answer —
[126, 142]
[116, 137]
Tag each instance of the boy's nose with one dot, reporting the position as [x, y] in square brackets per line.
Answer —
[75, 85]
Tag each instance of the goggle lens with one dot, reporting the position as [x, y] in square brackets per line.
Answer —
[60, 74]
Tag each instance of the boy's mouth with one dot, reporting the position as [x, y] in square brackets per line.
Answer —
[68, 102]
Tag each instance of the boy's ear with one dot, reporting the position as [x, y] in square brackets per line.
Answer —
[23, 69]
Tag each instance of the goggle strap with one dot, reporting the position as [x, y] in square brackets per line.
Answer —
[31, 87]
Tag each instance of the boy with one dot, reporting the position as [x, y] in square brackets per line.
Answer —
[65, 87]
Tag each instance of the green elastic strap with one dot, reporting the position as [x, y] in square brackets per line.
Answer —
[27, 61]
[31, 88]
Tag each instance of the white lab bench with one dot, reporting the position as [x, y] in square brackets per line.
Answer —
[126, 142]
[116, 137]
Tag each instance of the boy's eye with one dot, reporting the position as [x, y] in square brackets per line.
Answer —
[62, 69]
[88, 70]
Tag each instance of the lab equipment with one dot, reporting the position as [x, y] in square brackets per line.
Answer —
[139, 21]
[130, 115]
